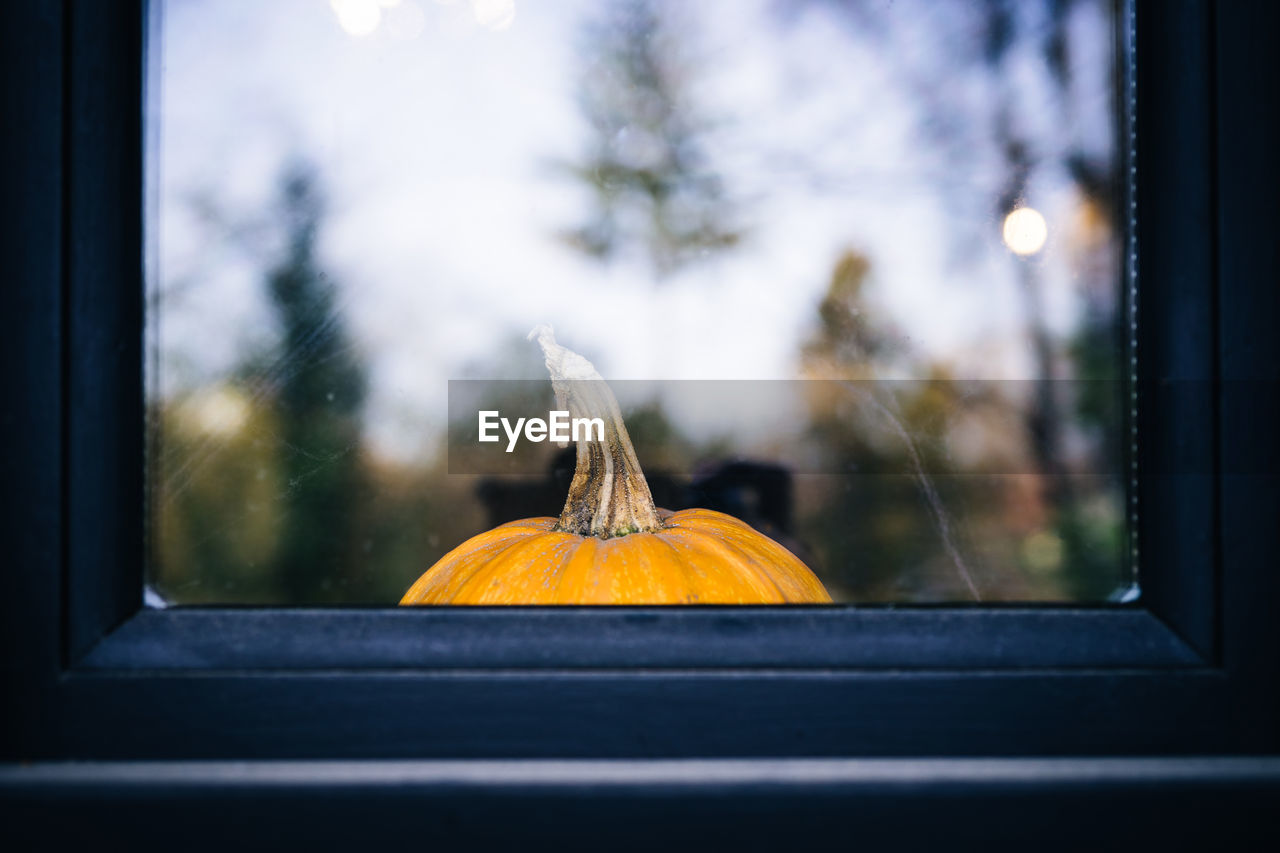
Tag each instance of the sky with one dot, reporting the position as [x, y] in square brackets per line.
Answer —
[437, 129]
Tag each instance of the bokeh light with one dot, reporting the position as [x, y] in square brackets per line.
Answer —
[220, 411]
[1025, 231]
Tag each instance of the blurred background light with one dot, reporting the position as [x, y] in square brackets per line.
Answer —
[1025, 231]
[220, 411]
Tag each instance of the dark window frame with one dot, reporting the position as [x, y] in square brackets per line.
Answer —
[1189, 668]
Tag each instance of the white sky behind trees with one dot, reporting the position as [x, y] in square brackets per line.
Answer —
[436, 138]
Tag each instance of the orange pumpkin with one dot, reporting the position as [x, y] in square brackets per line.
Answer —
[611, 545]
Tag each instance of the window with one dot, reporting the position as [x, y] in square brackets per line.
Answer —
[1187, 669]
[813, 234]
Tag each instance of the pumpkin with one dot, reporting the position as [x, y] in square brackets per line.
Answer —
[611, 545]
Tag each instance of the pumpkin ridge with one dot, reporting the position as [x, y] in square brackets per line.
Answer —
[692, 584]
[539, 579]
[449, 563]
[757, 556]
[632, 565]
[747, 540]
[461, 584]
[766, 568]
[459, 575]
[576, 553]
[805, 585]
[784, 569]
[499, 564]
[715, 552]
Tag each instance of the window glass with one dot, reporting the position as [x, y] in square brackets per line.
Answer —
[852, 267]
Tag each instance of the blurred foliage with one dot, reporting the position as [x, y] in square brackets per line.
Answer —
[217, 527]
[925, 496]
[871, 531]
[1078, 389]
[241, 509]
[850, 343]
[262, 491]
[652, 185]
[318, 393]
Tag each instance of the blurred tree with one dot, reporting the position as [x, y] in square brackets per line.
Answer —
[1091, 358]
[215, 483]
[259, 472]
[652, 188]
[320, 388]
[849, 343]
[1091, 547]
[883, 529]
[262, 491]
[1075, 387]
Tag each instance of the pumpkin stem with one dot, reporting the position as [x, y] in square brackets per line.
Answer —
[609, 495]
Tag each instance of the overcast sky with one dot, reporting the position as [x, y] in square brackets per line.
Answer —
[435, 130]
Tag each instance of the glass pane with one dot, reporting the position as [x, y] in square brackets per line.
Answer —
[852, 267]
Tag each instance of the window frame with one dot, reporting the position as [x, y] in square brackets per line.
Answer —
[1188, 668]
